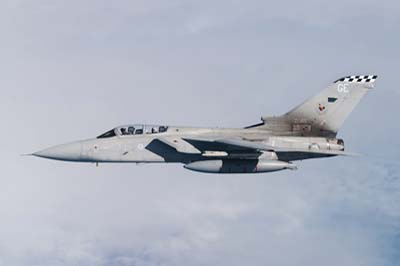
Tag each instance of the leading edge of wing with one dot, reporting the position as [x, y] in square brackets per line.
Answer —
[252, 145]
[233, 144]
[180, 146]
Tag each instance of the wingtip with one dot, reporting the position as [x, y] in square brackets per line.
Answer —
[354, 154]
[349, 154]
[27, 154]
[292, 167]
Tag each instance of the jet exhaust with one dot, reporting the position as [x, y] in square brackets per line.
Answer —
[239, 166]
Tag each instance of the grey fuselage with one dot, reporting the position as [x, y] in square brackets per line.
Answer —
[176, 147]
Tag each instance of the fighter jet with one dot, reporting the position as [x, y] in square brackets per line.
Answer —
[305, 132]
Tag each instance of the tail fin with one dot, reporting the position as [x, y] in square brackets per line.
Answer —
[324, 114]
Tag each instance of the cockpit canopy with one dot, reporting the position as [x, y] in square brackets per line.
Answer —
[134, 130]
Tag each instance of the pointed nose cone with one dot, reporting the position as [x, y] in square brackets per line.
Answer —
[64, 152]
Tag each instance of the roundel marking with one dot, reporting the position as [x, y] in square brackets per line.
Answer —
[321, 108]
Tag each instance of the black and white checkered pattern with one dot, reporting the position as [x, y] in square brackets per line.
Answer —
[358, 79]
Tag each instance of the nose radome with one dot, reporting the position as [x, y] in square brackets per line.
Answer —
[64, 152]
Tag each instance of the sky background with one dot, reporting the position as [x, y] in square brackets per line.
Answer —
[72, 70]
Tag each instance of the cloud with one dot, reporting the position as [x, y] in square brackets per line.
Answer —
[286, 218]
